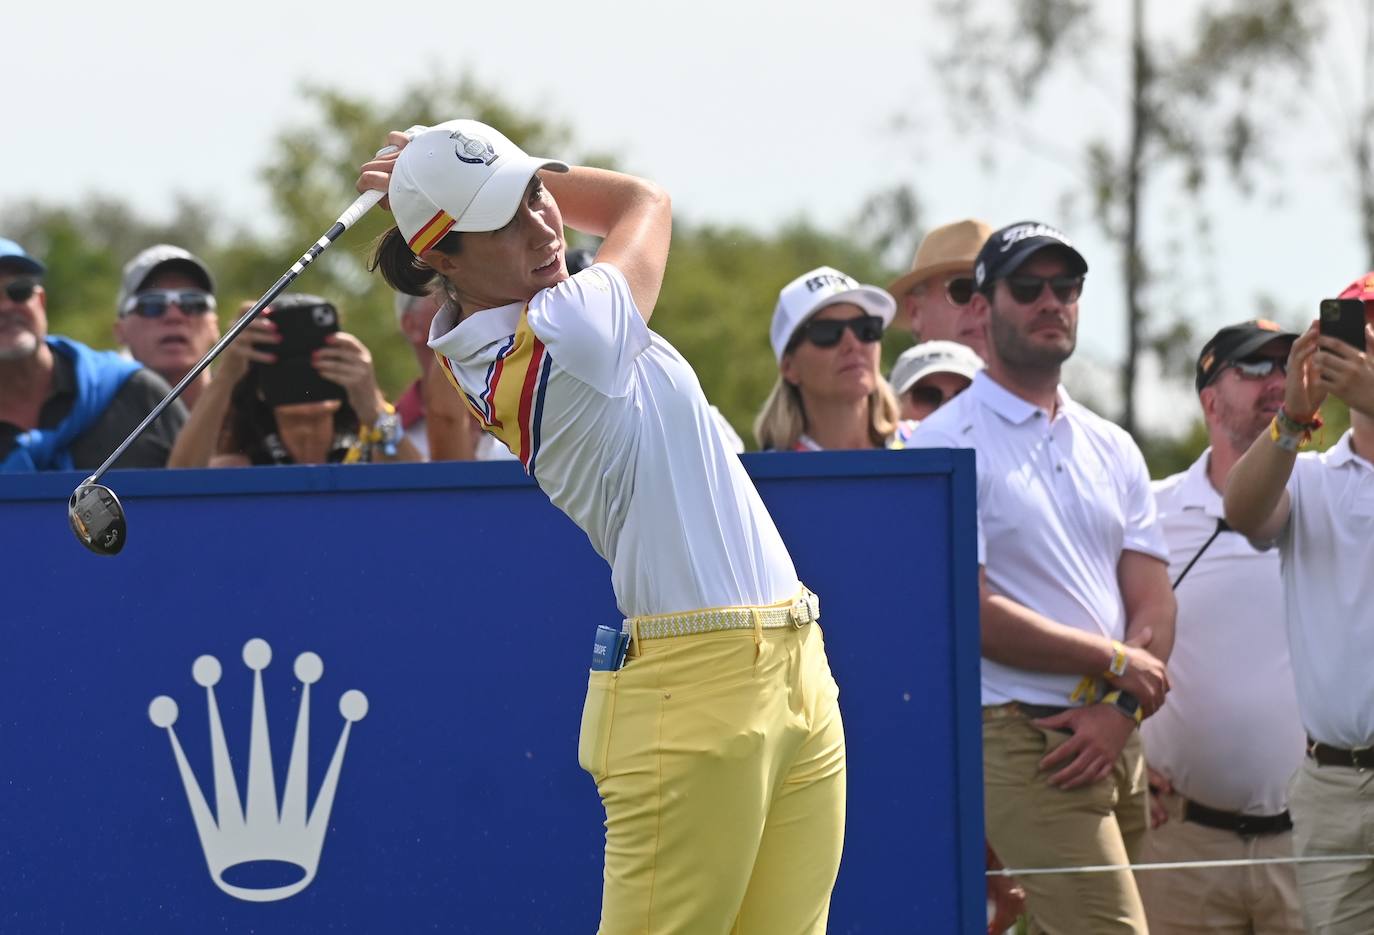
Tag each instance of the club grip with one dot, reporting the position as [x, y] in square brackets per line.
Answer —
[361, 205]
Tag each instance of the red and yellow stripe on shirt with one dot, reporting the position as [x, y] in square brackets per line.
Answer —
[510, 403]
[431, 232]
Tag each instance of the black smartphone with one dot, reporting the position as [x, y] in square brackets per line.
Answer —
[1344, 319]
[303, 323]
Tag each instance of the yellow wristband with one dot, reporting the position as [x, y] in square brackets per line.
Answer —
[1117, 667]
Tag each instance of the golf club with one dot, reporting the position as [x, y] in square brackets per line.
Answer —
[94, 512]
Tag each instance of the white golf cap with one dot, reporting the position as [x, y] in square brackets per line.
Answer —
[810, 292]
[460, 175]
[933, 357]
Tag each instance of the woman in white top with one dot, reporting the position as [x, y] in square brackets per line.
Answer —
[717, 748]
[829, 394]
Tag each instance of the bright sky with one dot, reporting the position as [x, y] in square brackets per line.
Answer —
[746, 110]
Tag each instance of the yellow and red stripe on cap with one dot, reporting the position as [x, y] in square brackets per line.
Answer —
[431, 232]
[510, 403]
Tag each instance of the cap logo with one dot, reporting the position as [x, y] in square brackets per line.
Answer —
[1265, 324]
[829, 280]
[1014, 235]
[980, 273]
[473, 150]
[1207, 360]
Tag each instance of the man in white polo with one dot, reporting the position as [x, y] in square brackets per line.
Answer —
[1319, 510]
[1075, 608]
[1222, 751]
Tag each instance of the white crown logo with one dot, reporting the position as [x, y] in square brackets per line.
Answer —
[258, 832]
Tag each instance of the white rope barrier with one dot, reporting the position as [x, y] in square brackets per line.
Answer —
[1182, 865]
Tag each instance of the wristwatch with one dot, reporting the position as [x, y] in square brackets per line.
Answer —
[387, 430]
[1126, 703]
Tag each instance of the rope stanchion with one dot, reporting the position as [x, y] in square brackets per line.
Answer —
[1181, 865]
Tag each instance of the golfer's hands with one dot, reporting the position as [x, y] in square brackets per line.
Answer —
[1100, 733]
[1160, 786]
[254, 343]
[1346, 372]
[1303, 390]
[1146, 676]
[375, 175]
[347, 361]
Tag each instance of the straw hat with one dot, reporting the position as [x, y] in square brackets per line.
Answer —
[945, 249]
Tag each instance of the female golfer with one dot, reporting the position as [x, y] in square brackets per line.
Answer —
[717, 748]
[829, 394]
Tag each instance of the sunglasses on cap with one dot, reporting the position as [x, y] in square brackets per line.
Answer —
[932, 396]
[1026, 288]
[20, 290]
[826, 332]
[1257, 368]
[153, 303]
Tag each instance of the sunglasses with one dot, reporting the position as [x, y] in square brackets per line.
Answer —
[20, 290]
[826, 332]
[153, 303]
[932, 396]
[1257, 368]
[1025, 288]
[959, 291]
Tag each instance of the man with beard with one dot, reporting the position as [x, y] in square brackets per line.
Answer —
[1076, 613]
[1223, 749]
[1318, 508]
[166, 314]
[64, 406]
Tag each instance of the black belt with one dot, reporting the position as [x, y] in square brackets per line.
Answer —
[1243, 825]
[1037, 711]
[1362, 758]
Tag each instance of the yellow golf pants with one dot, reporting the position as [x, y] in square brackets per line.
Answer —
[720, 761]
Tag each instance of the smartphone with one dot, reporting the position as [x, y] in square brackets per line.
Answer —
[303, 323]
[1344, 319]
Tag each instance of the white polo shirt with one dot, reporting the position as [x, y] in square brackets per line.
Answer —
[1229, 735]
[1058, 502]
[612, 424]
[1327, 552]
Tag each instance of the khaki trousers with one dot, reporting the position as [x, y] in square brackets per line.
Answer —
[1257, 900]
[1031, 824]
[1333, 813]
[720, 760]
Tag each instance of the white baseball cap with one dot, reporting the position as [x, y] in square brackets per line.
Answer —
[459, 175]
[933, 357]
[810, 292]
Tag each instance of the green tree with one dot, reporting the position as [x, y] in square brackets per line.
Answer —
[1193, 107]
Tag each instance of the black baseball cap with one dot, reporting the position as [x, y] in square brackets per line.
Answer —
[1004, 252]
[1236, 342]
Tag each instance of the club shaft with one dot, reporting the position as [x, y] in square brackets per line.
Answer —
[356, 210]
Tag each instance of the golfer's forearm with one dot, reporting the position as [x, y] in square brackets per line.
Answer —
[1254, 490]
[595, 200]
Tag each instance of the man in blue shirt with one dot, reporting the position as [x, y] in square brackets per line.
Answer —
[64, 406]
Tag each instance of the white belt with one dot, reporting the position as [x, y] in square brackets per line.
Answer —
[798, 612]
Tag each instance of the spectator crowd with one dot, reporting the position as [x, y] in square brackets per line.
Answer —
[1172, 671]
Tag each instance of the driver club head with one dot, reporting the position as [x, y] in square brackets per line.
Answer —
[97, 518]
